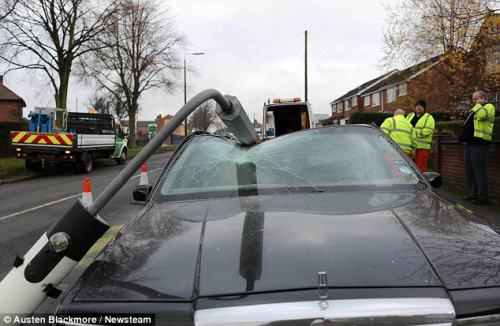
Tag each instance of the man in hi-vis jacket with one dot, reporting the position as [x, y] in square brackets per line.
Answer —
[477, 132]
[424, 124]
[400, 130]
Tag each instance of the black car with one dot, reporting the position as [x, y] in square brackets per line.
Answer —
[328, 226]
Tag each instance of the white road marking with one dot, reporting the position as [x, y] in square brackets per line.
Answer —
[59, 200]
[38, 207]
[137, 176]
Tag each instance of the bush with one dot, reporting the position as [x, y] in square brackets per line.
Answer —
[455, 128]
[369, 117]
[449, 127]
[441, 116]
[7, 126]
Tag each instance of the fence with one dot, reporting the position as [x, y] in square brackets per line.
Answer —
[449, 162]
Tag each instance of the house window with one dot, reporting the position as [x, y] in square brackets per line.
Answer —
[376, 99]
[366, 100]
[391, 94]
[339, 107]
[402, 89]
[347, 105]
[493, 59]
[354, 101]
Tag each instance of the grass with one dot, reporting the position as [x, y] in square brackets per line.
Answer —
[11, 168]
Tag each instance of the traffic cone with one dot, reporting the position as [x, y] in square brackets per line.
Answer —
[144, 175]
[87, 193]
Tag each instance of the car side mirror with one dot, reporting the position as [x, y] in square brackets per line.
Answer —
[434, 179]
[141, 192]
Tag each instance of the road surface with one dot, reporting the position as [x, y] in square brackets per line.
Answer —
[29, 208]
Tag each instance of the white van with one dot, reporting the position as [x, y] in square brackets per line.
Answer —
[283, 116]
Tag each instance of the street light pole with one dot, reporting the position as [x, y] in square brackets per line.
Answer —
[185, 87]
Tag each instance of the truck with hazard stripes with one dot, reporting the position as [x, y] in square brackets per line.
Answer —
[81, 138]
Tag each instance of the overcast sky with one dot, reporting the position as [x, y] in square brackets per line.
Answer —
[254, 50]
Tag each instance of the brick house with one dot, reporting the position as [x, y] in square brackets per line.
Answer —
[350, 102]
[161, 121]
[433, 80]
[179, 133]
[11, 104]
[397, 90]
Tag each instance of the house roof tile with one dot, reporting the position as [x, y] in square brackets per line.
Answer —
[361, 88]
[404, 75]
[7, 95]
[389, 79]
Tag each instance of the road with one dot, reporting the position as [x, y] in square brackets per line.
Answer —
[29, 208]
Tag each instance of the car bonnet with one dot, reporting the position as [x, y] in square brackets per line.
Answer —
[231, 246]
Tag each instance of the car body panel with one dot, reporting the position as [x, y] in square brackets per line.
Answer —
[253, 239]
[464, 251]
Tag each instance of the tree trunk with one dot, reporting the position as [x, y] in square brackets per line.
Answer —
[132, 140]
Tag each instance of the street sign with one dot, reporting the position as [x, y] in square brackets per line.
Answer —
[152, 128]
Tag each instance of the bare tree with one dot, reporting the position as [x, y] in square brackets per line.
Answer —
[49, 36]
[219, 125]
[137, 54]
[107, 103]
[7, 7]
[203, 117]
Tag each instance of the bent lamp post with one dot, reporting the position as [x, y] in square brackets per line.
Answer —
[36, 275]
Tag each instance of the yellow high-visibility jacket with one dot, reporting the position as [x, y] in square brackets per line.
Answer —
[484, 120]
[424, 129]
[401, 131]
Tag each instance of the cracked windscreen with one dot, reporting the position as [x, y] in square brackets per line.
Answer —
[315, 160]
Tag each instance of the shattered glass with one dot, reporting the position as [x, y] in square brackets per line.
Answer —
[316, 160]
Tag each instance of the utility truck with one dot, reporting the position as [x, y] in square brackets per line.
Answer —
[283, 116]
[81, 138]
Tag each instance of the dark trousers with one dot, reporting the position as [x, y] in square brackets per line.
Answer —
[475, 170]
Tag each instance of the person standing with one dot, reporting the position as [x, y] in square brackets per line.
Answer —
[400, 130]
[476, 133]
[424, 125]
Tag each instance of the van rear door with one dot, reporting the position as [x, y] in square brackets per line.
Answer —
[285, 116]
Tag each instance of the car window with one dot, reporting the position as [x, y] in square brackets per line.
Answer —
[326, 159]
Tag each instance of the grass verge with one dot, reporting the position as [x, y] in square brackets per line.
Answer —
[11, 168]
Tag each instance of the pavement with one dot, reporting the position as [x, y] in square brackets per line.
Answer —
[488, 212]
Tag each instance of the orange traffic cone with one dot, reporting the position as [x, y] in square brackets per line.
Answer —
[144, 175]
[87, 193]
